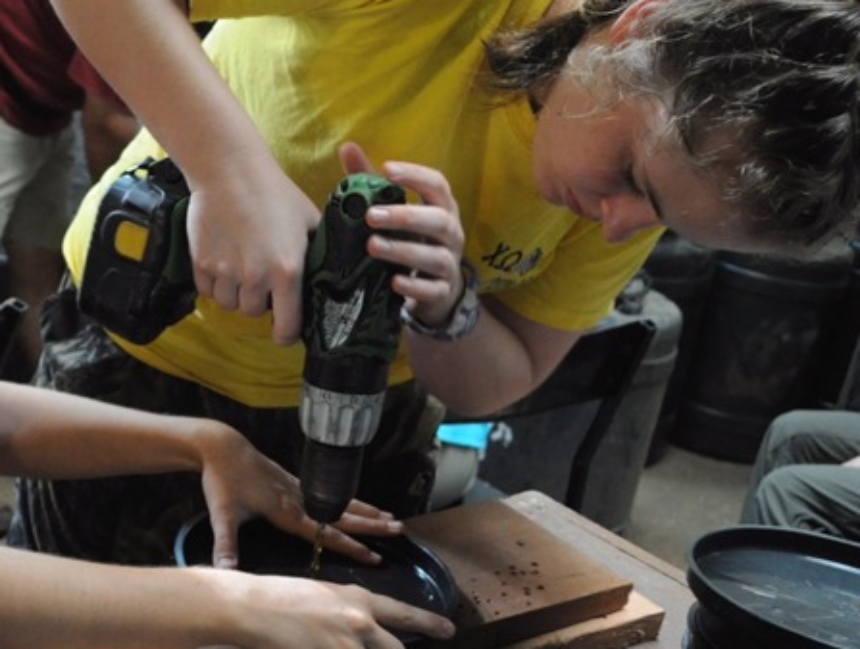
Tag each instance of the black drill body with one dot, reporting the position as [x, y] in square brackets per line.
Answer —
[138, 281]
[351, 334]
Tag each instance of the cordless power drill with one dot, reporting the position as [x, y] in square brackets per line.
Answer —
[138, 281]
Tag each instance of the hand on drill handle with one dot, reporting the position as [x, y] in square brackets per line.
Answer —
[434, 250]
[254, 263]
[257, 262]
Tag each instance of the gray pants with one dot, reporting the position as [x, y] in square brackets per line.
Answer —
[799, 479]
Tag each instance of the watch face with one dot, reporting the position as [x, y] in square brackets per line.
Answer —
[339, 318]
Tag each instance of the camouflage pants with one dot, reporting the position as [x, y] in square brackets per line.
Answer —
[135, 519]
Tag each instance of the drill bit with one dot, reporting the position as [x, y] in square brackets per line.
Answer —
[314, 570]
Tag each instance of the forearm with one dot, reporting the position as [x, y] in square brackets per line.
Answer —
[505, 358]
[149, 53]
[43, 433]
[49, 601]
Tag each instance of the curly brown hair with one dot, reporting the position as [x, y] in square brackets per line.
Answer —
[781, 75]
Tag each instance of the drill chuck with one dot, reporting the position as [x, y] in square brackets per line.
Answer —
[330, 476]
[337, 426]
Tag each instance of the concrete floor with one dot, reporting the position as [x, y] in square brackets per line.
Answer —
[680, 498]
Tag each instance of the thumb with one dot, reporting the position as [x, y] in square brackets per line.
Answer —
[354, 160]
[225, 546]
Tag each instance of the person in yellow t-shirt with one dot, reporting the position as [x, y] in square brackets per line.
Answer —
[545, 144]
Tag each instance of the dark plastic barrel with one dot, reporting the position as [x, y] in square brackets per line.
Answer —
[839, 348]
[534, 452]
[682, 271]
[759, 351]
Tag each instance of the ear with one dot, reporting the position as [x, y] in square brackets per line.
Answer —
[627, 24]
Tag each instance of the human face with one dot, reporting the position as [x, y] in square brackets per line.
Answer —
[614, 165]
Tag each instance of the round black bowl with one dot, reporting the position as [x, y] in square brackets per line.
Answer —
[409, 572]
[774, 587]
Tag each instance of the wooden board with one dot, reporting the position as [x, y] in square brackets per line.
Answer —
[516, 580]
[638, 622]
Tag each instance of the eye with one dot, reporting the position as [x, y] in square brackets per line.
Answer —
[630, 181]
[642, 191]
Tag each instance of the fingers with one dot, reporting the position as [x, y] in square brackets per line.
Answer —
[433, 247]
[435, 221]
[435, 258]
[336, 541]
[225, 548]
[403, 617]
[353, 159]
[361, 508]
[253, 296]
[338, 538]
[428, 183]
[286, 307]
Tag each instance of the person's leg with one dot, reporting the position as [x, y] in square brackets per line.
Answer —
[820, 498]
[803, 437]
[36, 224]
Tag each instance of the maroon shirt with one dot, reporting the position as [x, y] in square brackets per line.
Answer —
[43, 77]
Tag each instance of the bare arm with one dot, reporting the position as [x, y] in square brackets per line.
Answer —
[503, 360]
[49, 601]
[242, 247]
[149, 53]
[55, 435]
[43, 433]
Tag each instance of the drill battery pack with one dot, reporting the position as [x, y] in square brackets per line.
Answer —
[138, 280]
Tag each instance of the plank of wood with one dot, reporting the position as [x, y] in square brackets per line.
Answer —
[516, 580]
[654, 578]
[637, 622]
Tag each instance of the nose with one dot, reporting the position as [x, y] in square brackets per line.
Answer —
[623, 216]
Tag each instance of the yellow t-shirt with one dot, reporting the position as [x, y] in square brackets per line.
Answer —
[399, 78]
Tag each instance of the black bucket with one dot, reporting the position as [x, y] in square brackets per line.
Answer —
[708, 631]
[759, 351]
[409, 572]
[840, 345]
[682, 271]
[768, 587]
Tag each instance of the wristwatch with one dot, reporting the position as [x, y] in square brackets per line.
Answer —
[464, 315]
